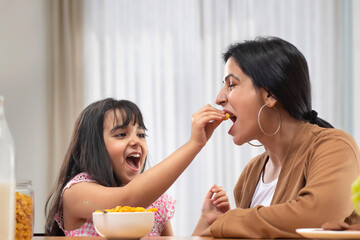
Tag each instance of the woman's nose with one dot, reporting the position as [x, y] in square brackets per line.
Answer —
[221, 98]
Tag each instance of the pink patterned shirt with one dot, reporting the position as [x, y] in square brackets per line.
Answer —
[165, 205]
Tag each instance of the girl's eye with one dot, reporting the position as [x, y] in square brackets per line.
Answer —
[120, 135]
[141, 135]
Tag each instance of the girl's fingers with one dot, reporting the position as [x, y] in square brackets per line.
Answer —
[209, 110]
[208, 117]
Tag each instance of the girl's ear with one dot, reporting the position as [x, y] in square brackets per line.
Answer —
[269, 98]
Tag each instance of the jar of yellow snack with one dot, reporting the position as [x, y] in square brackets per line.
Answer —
[24, 210]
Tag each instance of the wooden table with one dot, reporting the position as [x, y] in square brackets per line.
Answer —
[144, 238]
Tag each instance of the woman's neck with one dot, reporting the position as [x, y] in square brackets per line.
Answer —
[277, 147]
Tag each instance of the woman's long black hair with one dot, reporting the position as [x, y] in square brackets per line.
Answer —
[87, 152]
[281, 69]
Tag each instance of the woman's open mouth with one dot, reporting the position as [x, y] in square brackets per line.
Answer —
[133, 161]
[232, 118]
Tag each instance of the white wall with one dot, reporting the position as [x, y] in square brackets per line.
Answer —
[355, 67]
[24, 74]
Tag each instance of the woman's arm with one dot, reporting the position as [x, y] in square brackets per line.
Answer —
[328, 171]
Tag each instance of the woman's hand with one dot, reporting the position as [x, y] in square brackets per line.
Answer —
[204, 122]
[215, 203]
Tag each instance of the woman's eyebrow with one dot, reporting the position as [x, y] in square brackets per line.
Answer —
[230, 75]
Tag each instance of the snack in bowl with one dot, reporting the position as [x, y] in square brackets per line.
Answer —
[124, 222]
[129, 209]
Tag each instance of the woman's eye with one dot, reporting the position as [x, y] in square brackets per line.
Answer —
[231, 84]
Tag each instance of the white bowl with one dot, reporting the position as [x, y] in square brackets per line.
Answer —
[123, 224]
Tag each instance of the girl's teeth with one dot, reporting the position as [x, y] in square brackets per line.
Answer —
[135, 155]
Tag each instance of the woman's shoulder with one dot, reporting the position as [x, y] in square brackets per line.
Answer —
[333, 136]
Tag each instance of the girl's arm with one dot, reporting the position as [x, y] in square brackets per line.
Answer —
[150, 185]
[215, 203]
[168, 231]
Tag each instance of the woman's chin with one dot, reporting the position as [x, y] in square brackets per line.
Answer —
[237, 141]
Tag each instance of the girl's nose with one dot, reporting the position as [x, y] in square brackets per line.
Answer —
[134, 141]
[221, 98]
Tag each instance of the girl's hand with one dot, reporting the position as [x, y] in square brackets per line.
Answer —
[204, 122]
[216, 203]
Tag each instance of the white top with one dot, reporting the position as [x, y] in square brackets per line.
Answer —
[264, 192]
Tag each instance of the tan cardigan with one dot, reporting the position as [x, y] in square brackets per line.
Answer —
[314, 187]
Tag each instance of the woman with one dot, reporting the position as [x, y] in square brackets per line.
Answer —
[303, 179]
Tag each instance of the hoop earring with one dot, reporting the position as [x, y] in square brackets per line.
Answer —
[255, 145]
[277, 130]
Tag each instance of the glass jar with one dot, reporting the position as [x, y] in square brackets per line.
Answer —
[24, 210]
[7, 178]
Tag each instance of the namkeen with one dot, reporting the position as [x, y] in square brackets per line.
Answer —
[24, 217]
[129, 209]
[226, 116]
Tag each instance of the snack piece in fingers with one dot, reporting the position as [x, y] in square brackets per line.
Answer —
[226, 116]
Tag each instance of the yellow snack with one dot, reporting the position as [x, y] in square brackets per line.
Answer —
[152, 210]
[24, 217]
[226, 116]
[129, 209]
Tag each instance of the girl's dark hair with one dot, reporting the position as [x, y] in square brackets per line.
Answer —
[281, 69]
[87, 152]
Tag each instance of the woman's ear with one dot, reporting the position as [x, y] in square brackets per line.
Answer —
[269, 98]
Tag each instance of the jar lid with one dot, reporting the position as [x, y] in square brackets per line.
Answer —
[23, 183]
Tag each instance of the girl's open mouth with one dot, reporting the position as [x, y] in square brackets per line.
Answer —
[133, 161]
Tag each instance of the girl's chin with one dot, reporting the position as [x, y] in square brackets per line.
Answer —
[129, 177]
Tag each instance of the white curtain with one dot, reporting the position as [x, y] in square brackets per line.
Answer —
[66, 85]
[166, 56]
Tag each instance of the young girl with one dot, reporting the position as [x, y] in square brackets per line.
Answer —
[106, 155]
